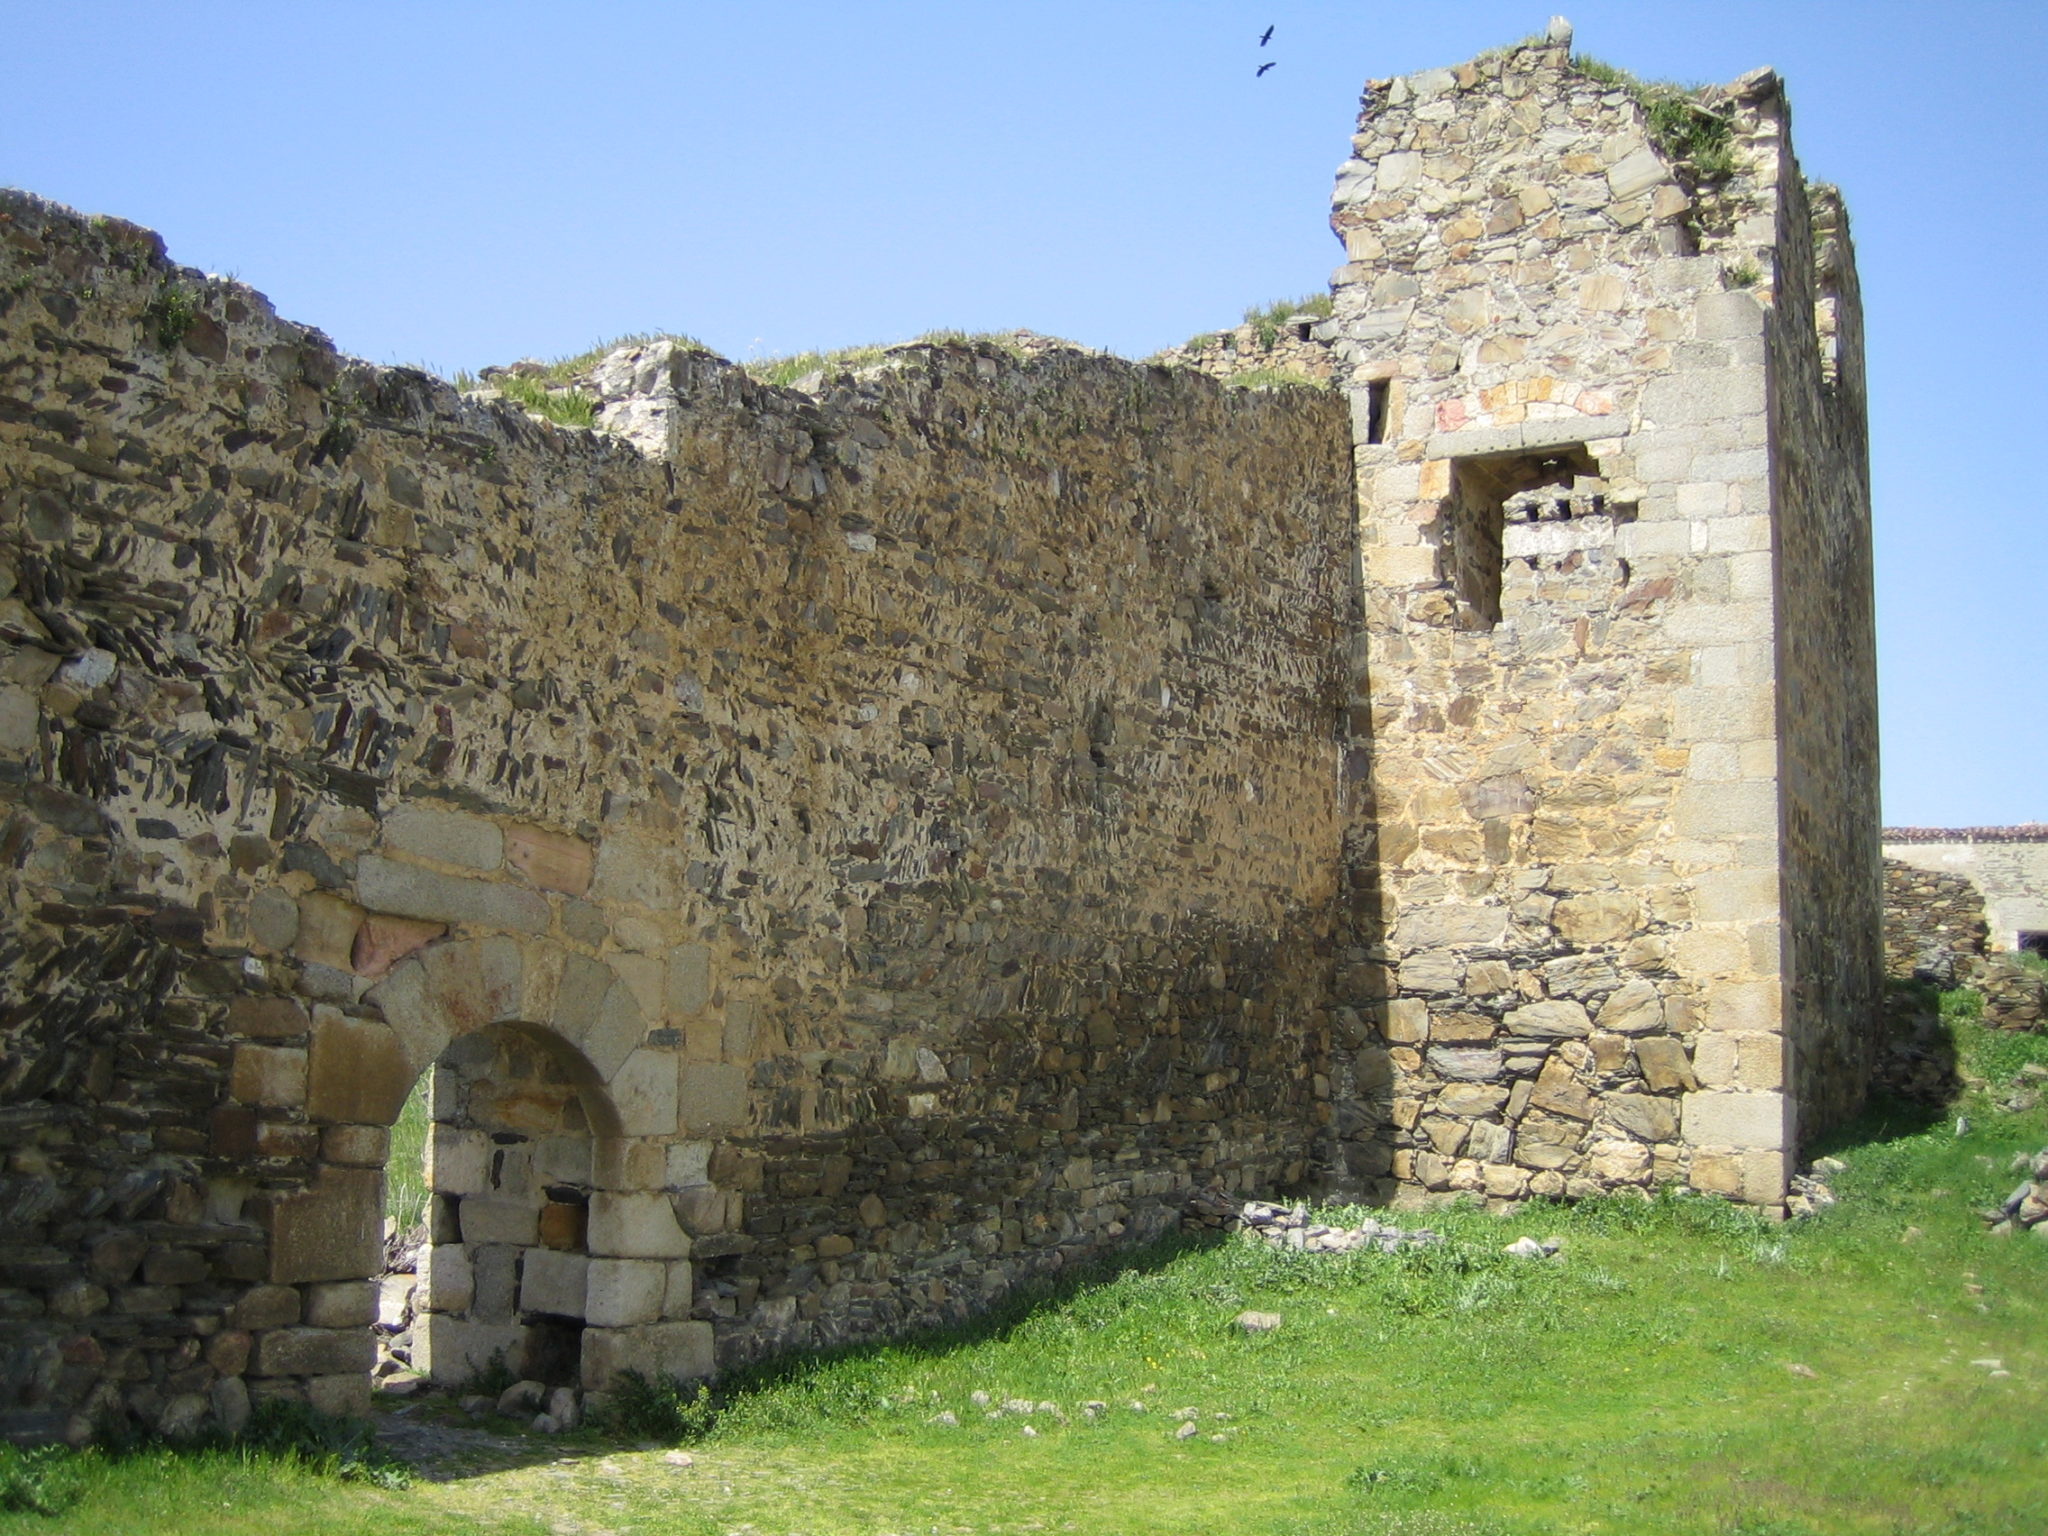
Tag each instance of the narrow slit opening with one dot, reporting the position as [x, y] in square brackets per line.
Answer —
[1376, 411]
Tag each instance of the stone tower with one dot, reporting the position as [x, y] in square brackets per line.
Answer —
[830, 855]
[1614, 862]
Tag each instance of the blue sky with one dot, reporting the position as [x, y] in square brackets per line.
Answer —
[457, 184]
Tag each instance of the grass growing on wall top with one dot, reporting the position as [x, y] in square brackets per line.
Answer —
[1274, 378]
[789, 371]
[563, 369]
[783, 372]
[544, 392]
[568, 408]
[1686, 1368]
[1703, 140]
[1265, 321]
[1600, 72]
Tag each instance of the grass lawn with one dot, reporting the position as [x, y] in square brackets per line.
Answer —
[1681, 1367]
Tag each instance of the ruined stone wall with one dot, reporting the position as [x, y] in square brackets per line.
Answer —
[877, 850]
[2007, 865]
[1569, 881]
[839, 854]
[1935, 928]
[1928, 910]
[1296, 345]
[1827, 654]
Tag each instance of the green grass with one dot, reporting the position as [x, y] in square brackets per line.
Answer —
[43, 1480]
[1683, 129]
[1600, 72]
[575, 410]
[230, 1492]
[1961, 1004]
[1643, 1382]
[785, 372]
[1317, 304]
[170, 314]
[1997, 1060]
[563, 369]
[1689, 132]
[405, 1176]
[1273, 378]
[571, 408]
[291, 1460]
[1264, 319]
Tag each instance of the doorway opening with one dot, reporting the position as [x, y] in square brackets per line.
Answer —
[406, 1234]
[494, 1221]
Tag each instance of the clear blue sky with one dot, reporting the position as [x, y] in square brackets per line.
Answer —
[457, 184]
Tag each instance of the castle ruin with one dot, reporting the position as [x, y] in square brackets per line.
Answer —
[840, 854]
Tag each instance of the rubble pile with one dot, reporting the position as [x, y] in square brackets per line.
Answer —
[2026, 1208]
[1289, 1227]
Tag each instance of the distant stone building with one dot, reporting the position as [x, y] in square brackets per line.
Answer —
[2008, 867]
[839, 854]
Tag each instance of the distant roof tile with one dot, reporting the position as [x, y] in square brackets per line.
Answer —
[2027, 832]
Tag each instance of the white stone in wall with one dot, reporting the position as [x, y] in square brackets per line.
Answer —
[447, 837]
[499, 1219]
[553, 1282]
[639, 1226]
[447, 1282]
[1741, 1120]
[661, 1351]
[622, 1292]
[458, 1161]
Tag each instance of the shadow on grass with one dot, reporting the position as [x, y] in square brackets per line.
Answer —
[1917, 1078]
[439, 1444]
[668, 1412]
[1887, 1117]
[49, 1480]
[430, 1440]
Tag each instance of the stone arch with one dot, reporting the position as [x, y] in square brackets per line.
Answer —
[518, 1012]
[517, 1120]
[526, 1015]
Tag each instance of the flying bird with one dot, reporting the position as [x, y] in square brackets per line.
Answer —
[1265, 37]
[1265, 66]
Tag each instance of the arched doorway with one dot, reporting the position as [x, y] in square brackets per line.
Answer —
[514, 1122]
[557, 1156]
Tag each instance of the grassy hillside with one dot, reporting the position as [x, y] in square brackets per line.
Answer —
[1680, 1367]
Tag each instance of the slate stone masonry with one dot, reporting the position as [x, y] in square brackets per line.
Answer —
[897, 817]
[2008, 866]
[840, 854]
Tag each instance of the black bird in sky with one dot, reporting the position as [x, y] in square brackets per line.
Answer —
[1265, 37]
[1265, 66]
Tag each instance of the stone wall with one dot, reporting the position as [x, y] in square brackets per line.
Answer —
[1601, 755]
[1297, 345]
[1827, 652]
[2007, 865]
[841, 853]
[875, 848]
[1928, 910]
[1979, 894]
